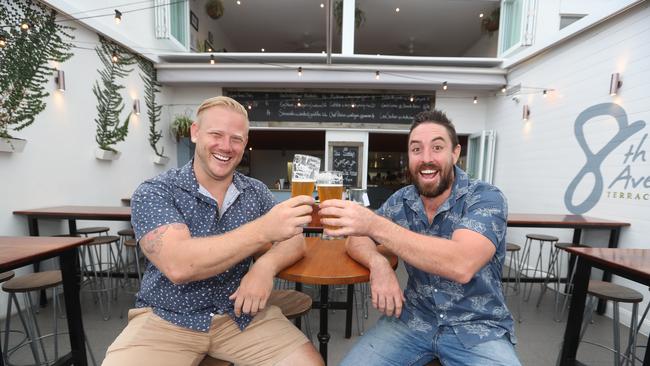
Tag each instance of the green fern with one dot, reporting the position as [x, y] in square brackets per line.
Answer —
[24, 61]
[151, 87]
[109, 100]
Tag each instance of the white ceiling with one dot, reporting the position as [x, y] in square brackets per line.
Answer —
[439, 28]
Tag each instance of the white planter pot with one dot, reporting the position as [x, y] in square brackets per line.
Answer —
[107, 154]
[12, 145]
[160, 160]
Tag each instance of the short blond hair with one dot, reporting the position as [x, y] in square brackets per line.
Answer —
[222, 101]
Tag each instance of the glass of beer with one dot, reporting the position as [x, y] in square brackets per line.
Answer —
[330, 186]
[303, 176]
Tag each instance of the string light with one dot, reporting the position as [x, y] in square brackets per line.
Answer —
[544, 93]
[444, 85]
[300, 71]
[480, 15]
[263, 50]
[475, 100]
[299, 104]
[3, 41]
[376, 75]
[322, 5]
[238, 2]
[353, 105]
[397, 10]
[211, 59]
[118, 17]
[503, 89]
[24, 26]
[249, 108]
[411, 99]
[114, 57]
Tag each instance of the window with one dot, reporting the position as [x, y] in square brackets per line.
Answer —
[178, 21]
[172, 22]
[480, 155]
[517, 23]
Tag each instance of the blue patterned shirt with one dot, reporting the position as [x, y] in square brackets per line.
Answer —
[476, 311]
[175, 197]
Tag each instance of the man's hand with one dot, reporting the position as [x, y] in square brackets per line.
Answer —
[286, 219]
[351, 218]
[387, 296]
[254, 290]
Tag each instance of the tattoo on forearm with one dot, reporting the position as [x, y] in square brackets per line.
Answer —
[152, 242]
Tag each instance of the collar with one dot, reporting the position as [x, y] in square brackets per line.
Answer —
[186, 180]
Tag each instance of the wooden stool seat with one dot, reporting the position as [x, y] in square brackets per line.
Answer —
[33, 282]
[563, 246]
[126, 232]
[6, 276]
[130, 243]
[510, 247]
[611, 291]
[93, 230]
[542, 237]
[104, 239]
[292, 303]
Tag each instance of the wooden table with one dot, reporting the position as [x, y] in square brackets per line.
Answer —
[17, 252]
[72, 214]
[327, 263]
[633, 264]
[577, 223]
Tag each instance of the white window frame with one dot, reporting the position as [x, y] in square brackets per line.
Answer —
[163, 24]
[526, 28]
[484, 155]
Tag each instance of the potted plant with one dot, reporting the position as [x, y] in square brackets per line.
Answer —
[152, 87]
[181, 127]
[490, 24]
[214, 8]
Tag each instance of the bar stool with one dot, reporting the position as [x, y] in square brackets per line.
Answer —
[93, 230]
[293, 304]
[617, 294]
[24, 285]
[513, 263]
[6, 276]
[568, 289]
[99, 279]
[124, 235]
[538, 271]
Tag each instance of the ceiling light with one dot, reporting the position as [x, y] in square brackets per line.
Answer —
[238, 2]
[444, 85]
[299, 104]
[480, 15]
[503, 89]
[397, 10]
[250, 148]
[475, 100]
[411, 99]
[118, 16]
[263, 50]
[322, 5]
[353, 105]
[249, 108]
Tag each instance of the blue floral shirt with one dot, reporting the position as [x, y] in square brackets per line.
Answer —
[476, 311]
[175, 197]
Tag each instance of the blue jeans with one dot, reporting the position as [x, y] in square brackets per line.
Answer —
[391, 342]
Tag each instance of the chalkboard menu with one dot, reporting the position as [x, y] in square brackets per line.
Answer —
[331, 107]
[346, 159]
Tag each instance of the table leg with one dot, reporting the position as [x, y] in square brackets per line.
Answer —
[2, 356]
[569, 348]
[72, 227]
[298, 321]
[69, 270]
[607, 276]
[646, 358]
[349, 304]
[32, 224]
[323, 335]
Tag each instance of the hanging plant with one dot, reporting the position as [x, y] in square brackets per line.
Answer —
[109, 101]
[180, 127]
[359, 16]
[490, 24]
[25, 58]
[151, 87]
[214, 8]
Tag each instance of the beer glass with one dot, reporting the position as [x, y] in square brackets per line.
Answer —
[303, 176]
[330, 186]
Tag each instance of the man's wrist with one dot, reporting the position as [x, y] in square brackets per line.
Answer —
[377, 261]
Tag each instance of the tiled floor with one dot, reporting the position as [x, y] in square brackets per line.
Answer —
[538, 335]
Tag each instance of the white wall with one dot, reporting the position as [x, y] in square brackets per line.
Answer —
[486, 46]
[58, 166]
[458, 105]
[537, 160]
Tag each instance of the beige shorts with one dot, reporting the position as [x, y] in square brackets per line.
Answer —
[150, 340]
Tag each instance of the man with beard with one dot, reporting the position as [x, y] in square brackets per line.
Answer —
[200, 226]
[450, 233]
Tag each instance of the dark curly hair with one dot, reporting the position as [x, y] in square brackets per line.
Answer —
[437, 117]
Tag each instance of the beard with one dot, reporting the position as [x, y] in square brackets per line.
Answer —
[432, 190]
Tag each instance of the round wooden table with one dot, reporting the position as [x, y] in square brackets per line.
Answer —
[327, 263]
